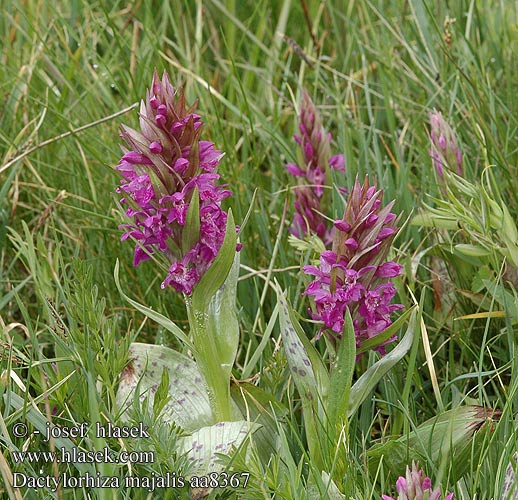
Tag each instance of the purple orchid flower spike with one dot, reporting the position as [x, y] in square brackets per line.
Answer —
[165, 166]
[354, 274]
[416, 486]
[313, 169]
[444, 151]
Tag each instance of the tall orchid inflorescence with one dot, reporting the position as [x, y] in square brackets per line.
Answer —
[313, 169]
[445, 151]
[354, 275]
[166, 170]
[416, 486]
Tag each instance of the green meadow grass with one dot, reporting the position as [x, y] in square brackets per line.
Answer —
[375, 70]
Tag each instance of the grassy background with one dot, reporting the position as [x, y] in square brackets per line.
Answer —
[375, 70]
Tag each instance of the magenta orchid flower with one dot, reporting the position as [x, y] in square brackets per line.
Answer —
[166, 165]
[416, 486]
[313, 170]
[354, 275]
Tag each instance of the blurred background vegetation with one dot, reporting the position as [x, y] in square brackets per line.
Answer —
[375, 69]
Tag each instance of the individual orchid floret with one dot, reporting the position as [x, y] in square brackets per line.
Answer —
[315, 161]
[444, 151]
[416, 486]
[166, 168]
[355, 275]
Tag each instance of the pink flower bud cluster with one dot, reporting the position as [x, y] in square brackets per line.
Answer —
[165, 163]
[416, 486]
[444, 151]
[316, 160]
[354, 275]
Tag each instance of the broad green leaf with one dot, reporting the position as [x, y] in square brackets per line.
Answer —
[396, 455]
[223, 325]
[191, 229]
[509, 226]
[326, 488]
[425, 219]
[472, 250]
[304, 368]
[368, 381]
[510, 486]
[215, 332]
[188, 405]
[318, 366]
[204, 445]
[218, 270]
[342, 372]
[510, 251]
[263, 408]
[154, 315]
[298, 359]
[450, 434]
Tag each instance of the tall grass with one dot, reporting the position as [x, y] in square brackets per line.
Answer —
[376, 72]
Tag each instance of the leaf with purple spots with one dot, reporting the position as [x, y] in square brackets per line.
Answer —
[309, 373]
[203, 446]
[188, 404]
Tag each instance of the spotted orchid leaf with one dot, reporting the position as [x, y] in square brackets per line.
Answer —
[188, 405]
[204, 445]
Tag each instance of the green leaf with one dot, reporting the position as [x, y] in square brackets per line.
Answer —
[507, 300]
[368, 381]
[191, 229]
[341, 376]
[472, 250]
[215, 332]
[154, 315]
[204, 445]
[263, 408]
[297, 349]
[187, 405]
[323, 487]
[219, 269]
[309, 375]
[8, 296]
[320, 369]
[247, 370]
[509, 226]
[223, 325]
[456, 434]
[510, 486]
[396, 455]
[425, 219]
